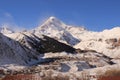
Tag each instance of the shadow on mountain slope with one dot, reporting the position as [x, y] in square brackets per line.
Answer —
[52, 45]
[47, 44]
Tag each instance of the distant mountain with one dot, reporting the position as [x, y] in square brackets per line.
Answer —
[6, 30]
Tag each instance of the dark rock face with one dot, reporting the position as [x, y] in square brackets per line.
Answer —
[52, 45]
[115, 42]
[47, 44]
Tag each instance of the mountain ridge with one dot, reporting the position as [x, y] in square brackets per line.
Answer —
[54, 36]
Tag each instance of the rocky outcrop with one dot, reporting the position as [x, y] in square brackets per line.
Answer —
[114, 42]
[45, 44]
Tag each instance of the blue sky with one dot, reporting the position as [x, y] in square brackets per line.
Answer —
[95, 15]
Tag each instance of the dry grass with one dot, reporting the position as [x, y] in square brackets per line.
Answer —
[19, 77]
[113, 74]
[48, 75]
[110, 78]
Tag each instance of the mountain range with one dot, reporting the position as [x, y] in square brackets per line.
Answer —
[27, 48]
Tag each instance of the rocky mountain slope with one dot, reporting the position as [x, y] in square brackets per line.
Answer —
[106, 42]
[12, 52]
[41, 43]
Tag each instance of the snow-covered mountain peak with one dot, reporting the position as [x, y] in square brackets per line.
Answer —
[5, 30]
[55, 28]
[52, 18]
[54, 23]
[51, 26]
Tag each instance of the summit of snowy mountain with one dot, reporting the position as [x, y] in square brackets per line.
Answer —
[51, 23]
[55, 28]
[53, 20]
